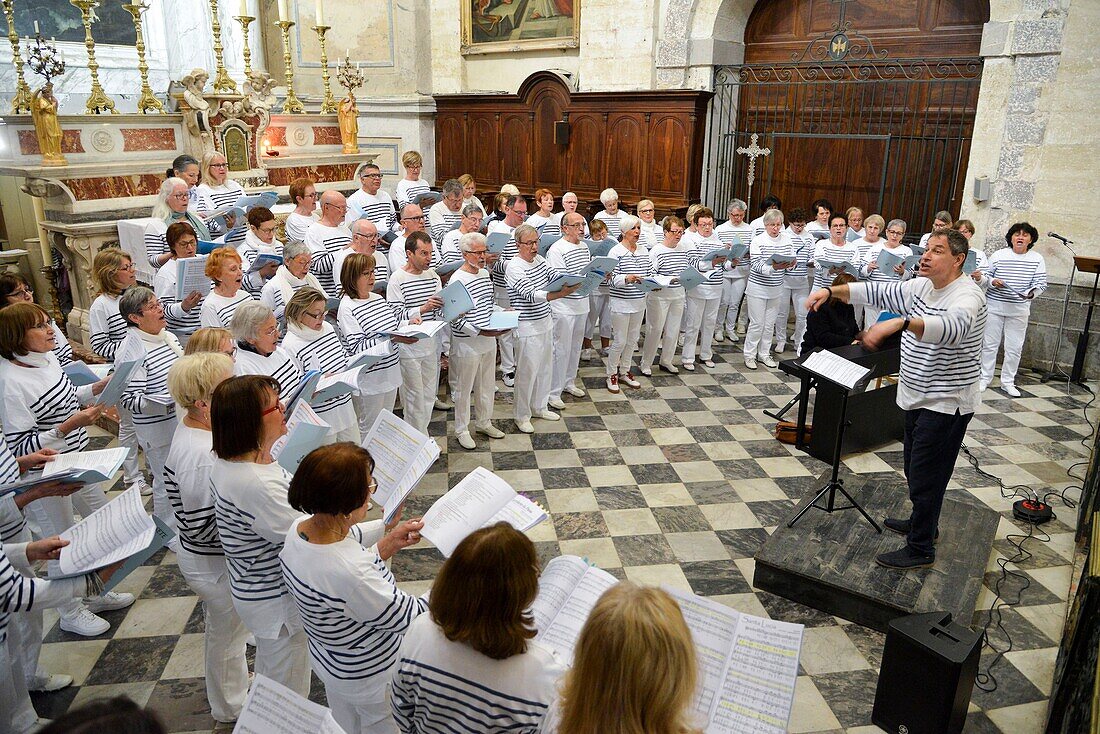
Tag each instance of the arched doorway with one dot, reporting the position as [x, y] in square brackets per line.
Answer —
[864, 102]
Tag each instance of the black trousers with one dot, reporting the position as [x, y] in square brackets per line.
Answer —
[932, 442]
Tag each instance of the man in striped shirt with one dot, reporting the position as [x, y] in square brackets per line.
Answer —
[444, 215]
[941, 344]
[326, 237]
[570, 314]
[371, 202]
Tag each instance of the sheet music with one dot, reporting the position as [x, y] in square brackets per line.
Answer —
[835, 368]
[501, 320]
[561, 576]
[465, 508]
[115, 531]
[191, 276]
[303, 414]
[562, 633]
[713, 630]
[423, 330]
[272, 708]
[103, 461]
[758, 693]
[520, 512]
[118, 383]
[371, 355]
[402, 455]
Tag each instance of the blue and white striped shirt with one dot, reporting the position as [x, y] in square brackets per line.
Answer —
[803, 244]
[323, 242]
[527, 289]
[107, 326]
[826, 250]
[628, 297]
[187, 482]
[1022, 274]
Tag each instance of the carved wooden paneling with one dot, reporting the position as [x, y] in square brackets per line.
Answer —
[450, 143]
[643, 144]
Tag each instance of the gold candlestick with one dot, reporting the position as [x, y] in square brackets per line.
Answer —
[148, 101]
[21, 102]
[222, 81]
[292, 105]
[245, 21]
[329, 105]
[98, 101]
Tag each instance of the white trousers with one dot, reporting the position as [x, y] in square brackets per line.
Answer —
[155, 456]
[354, 714]
[1013, 329]
[730, 307]
[367, 407]
[475, 382]
[25, 628]
[702, 317]
[533, 355]
[285, 659]
[53, 515]
[17, 715]
[599, 310]
[626, 330]
[793, 298]
[506, 342]
[419, 384]
[662, 324]
[758, 337]
[351, 433]
[224, 639]
[127, 439]
[568, 334]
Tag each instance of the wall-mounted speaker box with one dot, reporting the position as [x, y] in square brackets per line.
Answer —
[928, 668]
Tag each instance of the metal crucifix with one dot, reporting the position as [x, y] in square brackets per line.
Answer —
[753, 151]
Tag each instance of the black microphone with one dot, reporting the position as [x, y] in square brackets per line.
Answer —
[1057, 236]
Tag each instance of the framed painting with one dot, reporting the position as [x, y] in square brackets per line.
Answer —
[501, 26]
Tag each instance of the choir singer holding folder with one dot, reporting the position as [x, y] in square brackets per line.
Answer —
[941, 345]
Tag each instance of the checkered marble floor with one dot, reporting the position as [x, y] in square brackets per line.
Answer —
[676, 483]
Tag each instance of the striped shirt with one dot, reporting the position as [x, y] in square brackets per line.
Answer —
[1022, 274]
[324, 353]
[210, 199]
[323, 241]
[63, 351]
[471, 323]
[381, 267]
[826, 250]
[872, 255]
[548, 225]
[106, 325]
[710, 288]
[567, 258]
[378, 208]
[179, 322]
[527, 292]
[297, 225]
[670, 262]
[628, 297]
[939, 372]
[803, 245]
[652, 235]
[729, 234]
[360, 320]
[187, 482]
[864, 246]
[449, 251]
[19, 593]
[510, 250]
[279, 364]
[407, 293]
[249, 250]
[156, 244]
[407, 190]
[445, 686]
[12, 521]
[35, 401]
[353, 613]
[278, 291]
[764, 280]
[441, 220]
[613, 222]
[150, 377]
[218, 310]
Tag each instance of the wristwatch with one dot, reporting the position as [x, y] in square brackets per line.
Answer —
[905, 324]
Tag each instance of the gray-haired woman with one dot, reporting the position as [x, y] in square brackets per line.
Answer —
[291, 275]
[258, 351]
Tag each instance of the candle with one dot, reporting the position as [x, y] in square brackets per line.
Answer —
[283, 13]
[320, 12]
[244, 7]
[36, 28]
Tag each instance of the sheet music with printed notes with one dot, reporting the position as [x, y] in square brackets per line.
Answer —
[466, 507]
[115, 531]
[713, 629]
[272, 708]
[402, 456]
[568, 589]
[191, 276]
[86, 466]
[835, 368]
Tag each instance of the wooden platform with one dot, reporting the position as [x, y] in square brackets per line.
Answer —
[827, 561]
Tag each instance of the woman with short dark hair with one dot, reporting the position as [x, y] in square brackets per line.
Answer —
[253, 517]
[182, 316]
[334, 563]
[259, 240]
[14, 289]
[473, 664]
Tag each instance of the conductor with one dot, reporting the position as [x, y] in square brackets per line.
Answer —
[941, 348]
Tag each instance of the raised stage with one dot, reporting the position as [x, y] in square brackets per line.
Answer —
[827, 561]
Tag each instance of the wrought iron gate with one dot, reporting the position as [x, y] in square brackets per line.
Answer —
[891, 136]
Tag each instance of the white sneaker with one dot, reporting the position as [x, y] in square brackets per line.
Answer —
[732, 336]
[82, 622]
[145, 489]
[750, 363]
[556, 403]
[525, 427]
[680, 340]
[605, 351]
[769, 362]
[613, 383]
[708, 363]
[627, 379]
[575, 391]
[588, 354]
[48, 682]
[689, 366]
[509, 379]
[443, 404]
[109, 602]
[489, 430]
[547, 415]
[780, 348]
[466, 441]
[1010, 390]
[646, 371]
[983, 386]
[718, 336]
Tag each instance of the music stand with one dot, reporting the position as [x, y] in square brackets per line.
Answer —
[1085, 265]
[835, 483]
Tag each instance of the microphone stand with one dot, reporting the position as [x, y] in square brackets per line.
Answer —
[1054, 373]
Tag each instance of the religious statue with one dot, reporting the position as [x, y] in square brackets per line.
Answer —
[348, 115]
[46, 127]
[258, 91]
[196, 111]
[193, 89]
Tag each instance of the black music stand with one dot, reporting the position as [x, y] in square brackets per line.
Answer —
[1084, 265]
[835, 483]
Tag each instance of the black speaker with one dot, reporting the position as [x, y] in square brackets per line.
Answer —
[561, 133]
[928, 669]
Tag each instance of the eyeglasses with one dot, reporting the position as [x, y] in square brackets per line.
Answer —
[277, 406]
[310, 195]
[317, 315]
[182, 196]
[372, 487]
[571, 226]
[153, 306]
[676, 232]
[372, 175]
[421, 218]
[126, 268]
[231, 353]
[477, 252]
[367, 237]
[645, 211]
[894, 232]
[219, 165]
[24, 291]
[269, 230]
[343, 208]
[528, 243]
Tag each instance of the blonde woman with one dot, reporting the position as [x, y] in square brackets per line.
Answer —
[217, 191]
[629, 628]
[469, 192]
[211, 339]
[113, 272]
[411, 186]
[224, 268]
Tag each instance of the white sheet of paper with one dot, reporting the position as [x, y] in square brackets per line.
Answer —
[835, 368]
[103, 461]
[465, 508]
[191, 276]
[303, 414]
[120, 380]
[272, 708]
[402, 455]
[713, 629]
[423, 330]
[574, 603]
[115, 531]
[520, 512]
